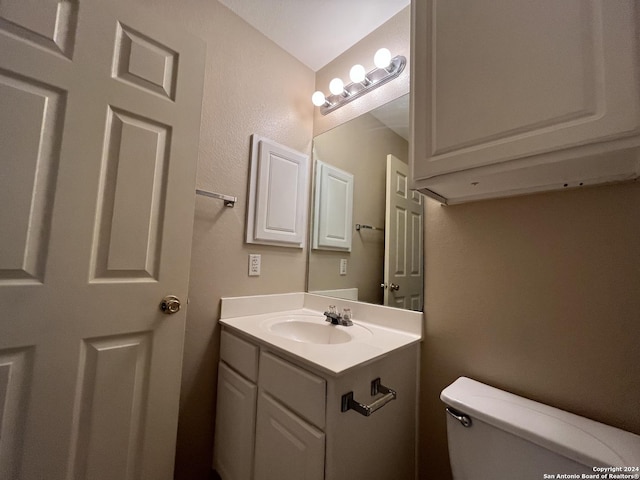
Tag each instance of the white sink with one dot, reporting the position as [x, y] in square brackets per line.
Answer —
[313, 329]
[292, 324]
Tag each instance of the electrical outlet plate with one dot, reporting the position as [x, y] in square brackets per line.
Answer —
[343, 266]
[254, 264]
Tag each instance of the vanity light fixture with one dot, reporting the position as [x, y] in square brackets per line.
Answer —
[336, 87]
[358, 74]
[387, 69]
[382, 58]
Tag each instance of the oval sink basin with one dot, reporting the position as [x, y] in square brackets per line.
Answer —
[307, 332]
[313, 329]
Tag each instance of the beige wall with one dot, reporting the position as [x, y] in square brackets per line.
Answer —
[251, 86]
[538, 295]
[359, 147]
[394, 35]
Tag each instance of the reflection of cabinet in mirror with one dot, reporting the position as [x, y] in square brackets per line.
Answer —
[333, 208]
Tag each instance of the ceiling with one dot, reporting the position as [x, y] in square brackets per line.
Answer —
[315, 31]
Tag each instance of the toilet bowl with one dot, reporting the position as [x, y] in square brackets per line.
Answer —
[495, 435]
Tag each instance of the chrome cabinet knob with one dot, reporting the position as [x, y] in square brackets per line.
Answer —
[170, 304]
[394, 287]
[383, 285]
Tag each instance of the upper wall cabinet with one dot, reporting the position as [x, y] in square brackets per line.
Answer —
[278, 191]
[518, 96]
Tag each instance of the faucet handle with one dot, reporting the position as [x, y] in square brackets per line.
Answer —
[332, 315]
[346, 317]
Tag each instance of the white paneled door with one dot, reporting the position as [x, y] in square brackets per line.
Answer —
[403, 269]
[99, 125]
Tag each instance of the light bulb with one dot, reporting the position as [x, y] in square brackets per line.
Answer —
[357, 74]
[336, 86]
[318, 99]
[382, 58]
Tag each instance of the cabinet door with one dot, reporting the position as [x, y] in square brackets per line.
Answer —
[277, 210]
[287, 447]
[235, 425]
[499, 80]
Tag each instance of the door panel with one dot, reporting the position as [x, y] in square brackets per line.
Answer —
[114, 395]
[146, 63]
[129, 234]
[98, 197]
[31, 139]
[400, 233]
[15, 379]
[51, 25]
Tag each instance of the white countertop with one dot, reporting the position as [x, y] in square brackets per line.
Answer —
[385, 329]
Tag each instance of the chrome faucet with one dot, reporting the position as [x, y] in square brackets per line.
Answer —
[337, 319]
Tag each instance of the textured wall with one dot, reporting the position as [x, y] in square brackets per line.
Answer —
[251, 86]
[359, 147]
[537, 295]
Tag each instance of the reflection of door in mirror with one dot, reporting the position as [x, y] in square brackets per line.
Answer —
[403, 240]
[361, 147]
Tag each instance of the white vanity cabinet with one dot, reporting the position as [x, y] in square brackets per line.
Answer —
[300, 428]
[512, 97]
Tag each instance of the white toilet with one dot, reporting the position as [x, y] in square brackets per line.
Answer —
[495, 435]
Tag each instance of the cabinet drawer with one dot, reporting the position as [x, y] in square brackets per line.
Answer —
[241, 355]
[301, 391]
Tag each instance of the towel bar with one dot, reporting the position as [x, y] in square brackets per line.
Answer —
[348, 403]
[229, 201]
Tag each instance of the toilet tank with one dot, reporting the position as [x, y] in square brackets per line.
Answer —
[511, 437]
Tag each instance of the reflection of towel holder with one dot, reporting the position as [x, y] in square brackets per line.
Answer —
[367, 227]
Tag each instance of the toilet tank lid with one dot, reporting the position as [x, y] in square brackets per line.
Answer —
[578, 438]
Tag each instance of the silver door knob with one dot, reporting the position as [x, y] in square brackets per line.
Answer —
[170, 304]
[383, 285]
[394, 287]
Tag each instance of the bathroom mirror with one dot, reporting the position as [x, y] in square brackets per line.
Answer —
[384, 262]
